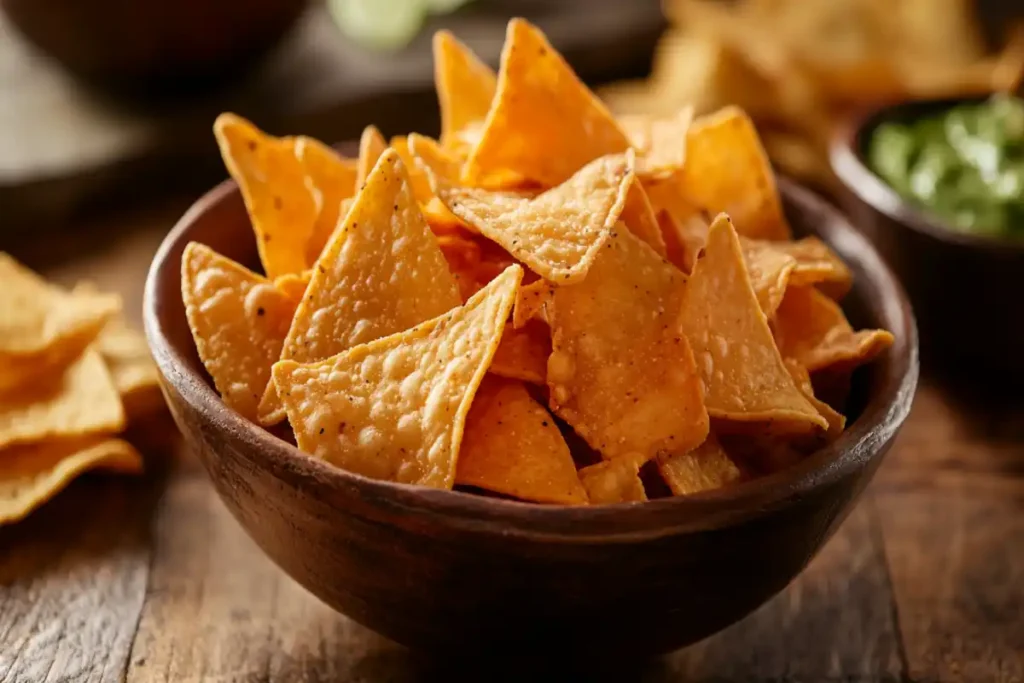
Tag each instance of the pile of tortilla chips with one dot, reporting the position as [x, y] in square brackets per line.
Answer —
[72, 374]
[547, 303]
[800, 66]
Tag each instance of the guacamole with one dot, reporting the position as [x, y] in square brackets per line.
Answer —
[965, 165]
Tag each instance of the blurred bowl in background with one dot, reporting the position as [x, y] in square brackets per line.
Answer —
[153, 46]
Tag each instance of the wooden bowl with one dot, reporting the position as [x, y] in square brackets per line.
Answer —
[965, 288]
[457, 573]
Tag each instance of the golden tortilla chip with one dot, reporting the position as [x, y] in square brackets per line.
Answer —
[281, 207]
[31, 475]
[465, 88]
[523, 353]
[558, 233]
[371, 146]
[238, 320]
[79, 401]
[621, 372]
[395, 408]
[293, 285]
[544, 123]
[638, 215]
[705, 468]
[816, 264]
[512, 446]
[43, 327]
[745, 380]
[381, 273]
[660, 142]
[331, 179]
[531, 303]
[811, 329]
[614, 481]
[802, 379]
[726, 170]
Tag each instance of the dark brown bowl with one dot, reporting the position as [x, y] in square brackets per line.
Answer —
[447, 571]
[966, 289]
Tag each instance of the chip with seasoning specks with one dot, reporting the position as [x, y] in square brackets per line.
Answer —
[381, 273]
[512, 446]
[704, 468]
[465, 88]
[238, 320]
[395, 409]
[614, 481]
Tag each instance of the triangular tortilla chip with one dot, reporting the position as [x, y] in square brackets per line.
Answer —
[544, 123]
[238, 320]
[395, 408]
[660, 142]
[812, 329]
[281, 207]
[381, 273]
[79, 401]
[558, 233]
[31, 475]
[614, 481]
[523, 353]
[621, 372]
[465, 87]
[371, 145]
[43, 327]
[704, 468]
[512, 446]
[745, 380]
[638, 215]
[331, 179]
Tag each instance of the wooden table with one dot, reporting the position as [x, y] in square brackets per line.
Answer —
[152, 580]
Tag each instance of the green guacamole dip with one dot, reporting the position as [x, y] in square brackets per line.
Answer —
[965, 165]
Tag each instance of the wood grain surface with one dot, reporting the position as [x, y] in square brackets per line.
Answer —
[152, 580]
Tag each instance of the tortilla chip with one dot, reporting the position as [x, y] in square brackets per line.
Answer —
[465, 88]
[769, 270]
[238, 320]
[430, 158]
[512, 446]
[371, 146]
[621, 372]
[532, 302]
[638, 215]
[523, 353]
[802, 379]
[558, 233]
[331, 179]
[614, 481]
[705, 468]
[726, 170]
[544, 123]
[79, 401]
[293, 285]
[131, 368]
[811, 329]
[43, 327]
[816, 264]
[660, 142]
[745, 380]
[395, 408]
[381, 273]
[31, 475]
[281, 207]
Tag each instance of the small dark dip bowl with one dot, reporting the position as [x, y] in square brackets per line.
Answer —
[967, 290]
[448, 572]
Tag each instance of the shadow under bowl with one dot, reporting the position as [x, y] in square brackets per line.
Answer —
[448, 571]
[966, 289]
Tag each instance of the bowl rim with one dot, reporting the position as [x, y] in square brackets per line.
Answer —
[878, 423]
[855, 174]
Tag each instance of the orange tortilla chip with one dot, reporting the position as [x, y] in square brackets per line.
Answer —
[621, 372]
[558, 233]
[811, 329]
[638, 215]
[544, 123]
[660, 142]
[371, 145]
[395, 408]
[705, 468]
[281, 207]
[614, 481]
[331, 179]
[418, 179]
[816, 264]
[238, 320]
[523, 353]
[745, 380]
[512, 446]
[381, 273]
[465, 88]
[77, 402]
[31, 475]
